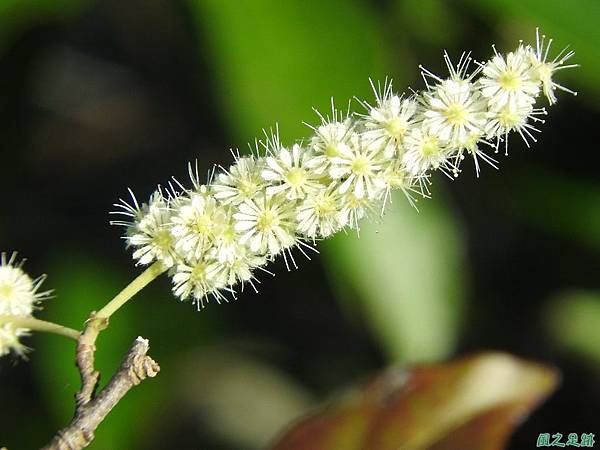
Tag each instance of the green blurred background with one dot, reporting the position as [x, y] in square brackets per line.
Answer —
[96, 97]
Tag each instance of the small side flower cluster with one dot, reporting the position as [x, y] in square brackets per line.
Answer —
[213, 236]
[20, 295]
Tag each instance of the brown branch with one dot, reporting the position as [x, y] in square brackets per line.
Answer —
[92, 409]
[86, 350]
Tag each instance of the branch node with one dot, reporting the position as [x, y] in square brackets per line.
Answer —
[91, 409]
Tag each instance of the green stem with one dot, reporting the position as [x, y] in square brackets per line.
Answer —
[131, 289]
[34, 324]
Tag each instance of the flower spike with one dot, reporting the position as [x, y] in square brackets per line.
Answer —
[283, 197]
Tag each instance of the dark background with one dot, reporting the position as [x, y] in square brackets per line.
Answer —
[96, 97]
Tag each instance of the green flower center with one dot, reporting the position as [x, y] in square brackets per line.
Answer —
[266, 221]
[324, 207]
[361, 165]
[456, 114]
[430, 147]
[331, 150]
[202, 225]
[163, 239]
[510, 81]
[247, 188]
[397, 127]
[508, 118]
[198, 274]
[296, 177]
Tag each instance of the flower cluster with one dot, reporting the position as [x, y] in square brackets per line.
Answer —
[19, 296]
[213, 236]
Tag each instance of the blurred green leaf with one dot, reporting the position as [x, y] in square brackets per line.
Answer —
[573, 321]
[408, 272]
[573, 23]
[432, 21]
[273, 61]
[472, 403]
[240, 398]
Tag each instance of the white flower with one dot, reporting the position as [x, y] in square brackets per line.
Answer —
[19, 293]
[239, 268]
[318, 214]
[225, 243]
[19, 296]
[243, 181]
[509, 79]
[353, 209]
[289, 172]
[199, 278]
[454, 111]
[424, 150]
[10, 339]
[266, 224]
[513, 116]
[196, 219]
[544, 69]
[330, 140]
[458, 72]
[147, 228]
[472, 147]
[395, 176]
[356, 168]
[389, 121]
[151, 236]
